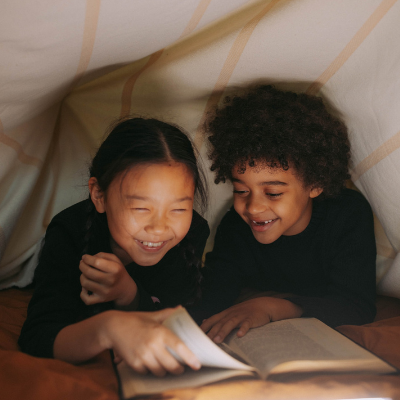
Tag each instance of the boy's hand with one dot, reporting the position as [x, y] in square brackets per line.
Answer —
[104, 278]
[249, 314]
[142, 341]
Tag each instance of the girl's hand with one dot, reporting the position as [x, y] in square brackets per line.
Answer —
[249, 314]
[141, 340]
[104, 278]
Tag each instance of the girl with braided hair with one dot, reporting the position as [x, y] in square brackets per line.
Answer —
[134, 245]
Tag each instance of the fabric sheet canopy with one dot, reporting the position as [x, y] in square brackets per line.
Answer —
[69, 69]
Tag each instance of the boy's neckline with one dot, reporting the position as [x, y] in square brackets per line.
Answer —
[316, 217]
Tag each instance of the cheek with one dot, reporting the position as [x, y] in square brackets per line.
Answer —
[239, 204]
[285, 210]
[291, 210]
[182, 227]
[123, 223]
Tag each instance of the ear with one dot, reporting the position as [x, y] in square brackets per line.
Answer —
[97, 195]
[315, 192]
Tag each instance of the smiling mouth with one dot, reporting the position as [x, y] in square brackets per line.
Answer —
[151, 246]
[262, 226]
[262, 223]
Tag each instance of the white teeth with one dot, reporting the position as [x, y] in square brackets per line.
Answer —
[262, 222]
[151, 244]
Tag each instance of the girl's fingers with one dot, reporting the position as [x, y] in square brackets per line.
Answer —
[91, 273]
[108, 256]
[169, 362]
[162, 315]
[101, 261]
[94, 261]
[184, 353]
[152, 364]
[136, 364]
[89, 297]
[90, 285]
[170, 340]
[117, 357]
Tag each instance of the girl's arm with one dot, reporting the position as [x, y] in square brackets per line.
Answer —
[139, 338]
[56, 302]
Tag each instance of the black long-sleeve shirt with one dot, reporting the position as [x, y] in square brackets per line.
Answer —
[329, 267]
[56, 299]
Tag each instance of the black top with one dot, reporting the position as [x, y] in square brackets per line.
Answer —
[329, 267]
[56, 303]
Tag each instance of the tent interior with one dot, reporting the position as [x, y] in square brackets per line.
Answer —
[71, 69]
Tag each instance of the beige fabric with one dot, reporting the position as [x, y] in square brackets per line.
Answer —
[68, 69]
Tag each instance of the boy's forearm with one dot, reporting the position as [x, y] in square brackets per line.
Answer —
[83, 340]
[283, 309]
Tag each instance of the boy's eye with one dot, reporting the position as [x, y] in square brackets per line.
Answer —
[179, 210]
[240, 191]
[140, 209]
[274, 195]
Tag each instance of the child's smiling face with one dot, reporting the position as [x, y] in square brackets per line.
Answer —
[273, 202]
[149, 211]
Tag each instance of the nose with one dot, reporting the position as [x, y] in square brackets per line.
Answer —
[157, 225]
[255, 205]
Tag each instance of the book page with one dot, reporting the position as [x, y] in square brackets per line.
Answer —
[134, 384]
[207, 352]
[286, 343]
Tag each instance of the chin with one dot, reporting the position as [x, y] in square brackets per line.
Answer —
[148, 261]
[264, 240]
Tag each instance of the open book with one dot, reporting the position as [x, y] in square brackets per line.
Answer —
[300, 345]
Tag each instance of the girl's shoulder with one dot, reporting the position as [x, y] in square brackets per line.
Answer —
[71, 226]
[71, 222]
[198, 221]
[73, 215]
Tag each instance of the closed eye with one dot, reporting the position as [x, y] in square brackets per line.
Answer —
[274, 195]
[240, 191]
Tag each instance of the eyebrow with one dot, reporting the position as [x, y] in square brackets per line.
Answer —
[271, 183]
[144, 198]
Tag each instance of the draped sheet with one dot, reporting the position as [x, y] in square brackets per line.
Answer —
[69, 69]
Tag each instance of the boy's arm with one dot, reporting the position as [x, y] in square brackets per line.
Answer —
[249, 314]
[350, 290]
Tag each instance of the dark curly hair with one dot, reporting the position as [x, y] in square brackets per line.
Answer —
[267, 127]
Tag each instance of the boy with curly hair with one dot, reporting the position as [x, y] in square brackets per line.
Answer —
[294, 232]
